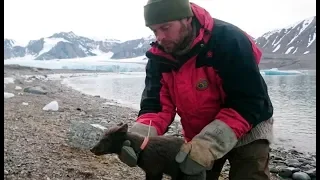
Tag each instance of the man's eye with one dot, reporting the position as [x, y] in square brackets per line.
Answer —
[165, 28]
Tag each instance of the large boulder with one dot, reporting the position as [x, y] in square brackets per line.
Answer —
[85, 134]
[36, 90]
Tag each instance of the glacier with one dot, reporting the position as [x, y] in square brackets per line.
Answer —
[101, 63]
[105, 63]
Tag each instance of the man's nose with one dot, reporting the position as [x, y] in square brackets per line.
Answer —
[160, 36]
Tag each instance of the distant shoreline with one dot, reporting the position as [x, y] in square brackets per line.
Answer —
[300, 65]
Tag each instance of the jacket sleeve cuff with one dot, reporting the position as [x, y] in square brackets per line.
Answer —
[143, 129]
[219, 137]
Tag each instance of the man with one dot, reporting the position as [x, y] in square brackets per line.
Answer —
[206, 70]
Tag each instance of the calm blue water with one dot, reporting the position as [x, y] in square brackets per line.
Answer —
[293, 97]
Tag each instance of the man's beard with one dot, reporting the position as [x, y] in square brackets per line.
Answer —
[184, 42]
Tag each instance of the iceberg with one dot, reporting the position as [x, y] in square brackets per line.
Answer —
[276, 71]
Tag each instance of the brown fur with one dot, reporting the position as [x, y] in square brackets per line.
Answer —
[156, 159]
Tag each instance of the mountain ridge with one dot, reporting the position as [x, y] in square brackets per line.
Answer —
[291, 42]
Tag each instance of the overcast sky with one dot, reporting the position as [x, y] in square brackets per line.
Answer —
[123, 19]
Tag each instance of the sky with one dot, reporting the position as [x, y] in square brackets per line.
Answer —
[26, 20]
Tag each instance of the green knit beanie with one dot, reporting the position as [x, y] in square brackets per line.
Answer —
[161, 11]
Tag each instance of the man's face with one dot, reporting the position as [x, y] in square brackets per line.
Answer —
[171, 35]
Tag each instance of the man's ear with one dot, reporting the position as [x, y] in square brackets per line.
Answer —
[123, 128]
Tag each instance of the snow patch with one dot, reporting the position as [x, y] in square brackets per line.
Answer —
[82, 48]
[313, 39]
[306, 52]
[139, 45]
[149, 38]
[289, 50]
[19, 43]
[26, 57]
[277, 48]
[49, 43]
[98, 52]
[305, 24]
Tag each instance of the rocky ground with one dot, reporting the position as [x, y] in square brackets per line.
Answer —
[53, 144]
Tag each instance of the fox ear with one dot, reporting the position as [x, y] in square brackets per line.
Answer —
[123, 128]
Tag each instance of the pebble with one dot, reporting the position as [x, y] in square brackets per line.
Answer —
[278, 158]
[274, 170]
[293, 163]
[294, 152]
[285, 172]
[18, 88]
[300, 176]
[307, 166]
[6, 172]
[311, 172]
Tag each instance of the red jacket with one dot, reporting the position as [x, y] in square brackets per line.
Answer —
[218, 79]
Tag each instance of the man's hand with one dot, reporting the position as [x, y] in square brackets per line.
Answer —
[128, 155]
[195, 157]
[212, 143]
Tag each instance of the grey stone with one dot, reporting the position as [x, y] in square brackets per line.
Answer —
[278, 158]
[302, 160]
[285, 172]
[300, 176]
[82, 135]
[35, 90]
[307, 167]
[293, 169]
[274, 170]
[311, 172]
[293, 163]
[278, 162]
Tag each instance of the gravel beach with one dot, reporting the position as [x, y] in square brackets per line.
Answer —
[53, 144]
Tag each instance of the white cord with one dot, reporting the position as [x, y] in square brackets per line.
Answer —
[149, 128]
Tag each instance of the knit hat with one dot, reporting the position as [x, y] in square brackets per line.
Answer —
[161, 11]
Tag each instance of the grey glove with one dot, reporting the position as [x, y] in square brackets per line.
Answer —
[128, 155]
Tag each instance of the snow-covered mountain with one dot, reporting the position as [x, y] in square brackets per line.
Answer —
[63, 45]
[288, 43]
[132, 48]
[296, 39]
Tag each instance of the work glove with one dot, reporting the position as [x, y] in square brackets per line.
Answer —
[128, 155]
[212, 143]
